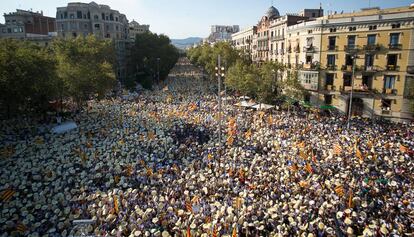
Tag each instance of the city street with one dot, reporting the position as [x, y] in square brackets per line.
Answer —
[151, 165]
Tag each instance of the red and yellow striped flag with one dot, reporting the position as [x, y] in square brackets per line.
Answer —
[189, 207]
[308, 168]
[294, 167]
[234, 233]
[359, 154]
[7, 194]
[215, 231]
[248, 134]
[350, 204]
[339, 190]
[21, 228]
[116, 205]
[337, 149]
[149, 172]
[151, 135]
[404, 149]
[230, 140]
[303, 155]
[301, 144]
[188, 232]
[128, 170]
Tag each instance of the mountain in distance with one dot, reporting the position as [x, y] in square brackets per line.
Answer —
[185, 43]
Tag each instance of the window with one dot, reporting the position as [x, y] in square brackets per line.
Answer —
[369, 60]
[328, 99]
[392, 59]
[89, 15]
[15, 30]
[329, 79]
[74, 34]
[96, 17]
[61, 16]
[386, 104]
[9, 30]
[65, 15]
[85, 26]
[108, 36]
[3, 30]
[332, 42]
[79, 14]
[103, 16]
[394, 39]
[389, 82]
[310, 31]
[111, 17]
[351, 41]
[21, 29]
[352, 28]
[374, 27]
[332, 30]
[349, 61]
[116, 19]
[313, 14]
[371, 39]
[97, 26]
[396, 26]
[331, 60]
[72, 16]
[347, 80]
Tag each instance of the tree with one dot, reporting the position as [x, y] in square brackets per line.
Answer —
[85, 67]
[27, 79]
[150, 53]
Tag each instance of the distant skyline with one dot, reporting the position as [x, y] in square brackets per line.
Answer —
[192, 18]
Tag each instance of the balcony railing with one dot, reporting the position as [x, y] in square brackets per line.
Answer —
[410, 69]
[332, 47]
[393, 68]
[330, 87]
[296, 49]
[276, 37]
[347, 68]
[309, 49]
[389, 91]
[372, 47]
[351, 48]
[395, 46]
[331, 67]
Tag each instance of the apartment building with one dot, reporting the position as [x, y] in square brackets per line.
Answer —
[28, 25]
[243, 40]
[135, 29]
[379, 42]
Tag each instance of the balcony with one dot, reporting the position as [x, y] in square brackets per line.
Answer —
[372, 47]
[395, 46]
[330, 87]
[386, 111]
[276, 37]
[351, 48]
[332, 47]
[393, 68]
[346, 68]
[309, 49]
[310, 66]
[331, 67]
[410, 69]
[389, 91]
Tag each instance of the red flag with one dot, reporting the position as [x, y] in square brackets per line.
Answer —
[188, 232]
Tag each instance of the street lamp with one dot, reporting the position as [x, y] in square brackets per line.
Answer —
[219, 74]
[158, 69]
[354, 57]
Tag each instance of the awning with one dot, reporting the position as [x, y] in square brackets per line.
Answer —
[327, 107]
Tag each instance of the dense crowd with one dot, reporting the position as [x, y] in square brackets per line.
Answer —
[152, 165]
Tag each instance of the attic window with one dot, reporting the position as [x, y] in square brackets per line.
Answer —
[395, 26]
[374, 27]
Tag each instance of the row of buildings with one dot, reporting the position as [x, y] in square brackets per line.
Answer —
[324, 49]
[74, 20]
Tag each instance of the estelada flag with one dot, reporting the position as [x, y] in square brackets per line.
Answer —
[230, 140]
[294, 167]
[116, 203]
[248, 134]
[189, 207]
[404, 149]
[215, 231]
[301, 144]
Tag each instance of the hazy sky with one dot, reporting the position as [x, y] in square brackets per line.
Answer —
[185, 18]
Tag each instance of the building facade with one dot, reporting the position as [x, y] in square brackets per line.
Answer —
[221, 33]
[82, 19]
[135, 28]
[28, 25]
[243, 40]
[323, 51]
[380, 44]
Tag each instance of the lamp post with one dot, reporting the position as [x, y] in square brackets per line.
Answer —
[158, 69]
[219, 74]
[354, 57]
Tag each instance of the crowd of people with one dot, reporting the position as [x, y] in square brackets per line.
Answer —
[153, 165]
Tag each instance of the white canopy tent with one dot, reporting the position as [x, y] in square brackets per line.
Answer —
[262, 106]
[245, 104]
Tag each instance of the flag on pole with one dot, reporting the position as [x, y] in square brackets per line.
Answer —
[404, 149]
[230, 140]
[350, 204]
[248, 134]
[189, 207]
[294, 168]
[303, 155]
[21, 228]
[215, 231]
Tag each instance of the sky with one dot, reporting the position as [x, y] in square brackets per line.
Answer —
[192, 18]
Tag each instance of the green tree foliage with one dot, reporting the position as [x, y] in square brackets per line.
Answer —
[85, 67]
[149, 53]
[27, 78]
